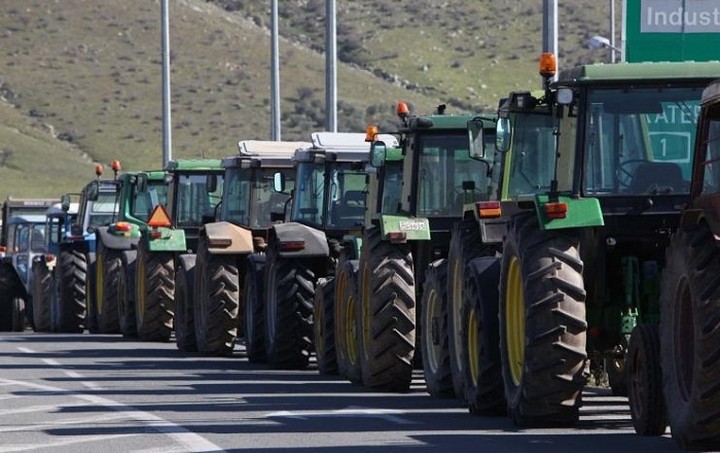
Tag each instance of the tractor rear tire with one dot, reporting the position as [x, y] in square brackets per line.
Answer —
[464, 246]
[347, 324]
[184, 321]
[690, 338]
[324, 326]
[387, 313]
[107, 289]
[41, 290]
[484, 392]
[154, 294]
[647, 404]
[289, 293]
[7, 296]
[434, 325]
[542, 324]
[216, 302]
[70, 312]
[91, 313]
[126, 304]
[254, 306]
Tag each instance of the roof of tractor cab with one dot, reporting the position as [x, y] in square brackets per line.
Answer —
[339, 147]
[26, 218]
[711, 93]
[418, 123]
[193, 165]
[639, 72]
[264, 153]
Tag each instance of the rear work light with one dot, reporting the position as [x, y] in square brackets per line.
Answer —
[123, 226]
[556, 210]
[488, 209]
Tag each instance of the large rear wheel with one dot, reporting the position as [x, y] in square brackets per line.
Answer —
[108, 266]
[542, 324]
[690, 338]
[126, 290]
[347, 323]
[387, 307]
[324, 326]
[41, 288]
[217, 301]
[647, 404]
[184, 321]
[484, 392]
[70, 310]
[289, 291]
[154, 293]
[434, 325]
[254, 307]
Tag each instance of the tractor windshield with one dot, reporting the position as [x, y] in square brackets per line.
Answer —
[345, 204]
[249, 198]
[640, 140]
[193, 199]
[391, 186]
[103, 209]
[529, 165]
[448, 177]
[144, 202]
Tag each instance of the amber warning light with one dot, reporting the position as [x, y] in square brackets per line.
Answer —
[548, 64]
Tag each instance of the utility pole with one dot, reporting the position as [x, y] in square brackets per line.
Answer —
[166, 122]
[612, 31]
[330, 67]
[550, 29]
[274, 74]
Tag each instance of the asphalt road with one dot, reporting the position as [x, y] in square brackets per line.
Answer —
[100, 393]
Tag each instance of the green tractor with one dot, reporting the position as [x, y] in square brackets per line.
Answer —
[680, 361]
[328, 206]
[584, 248]
[193, 192]
[112, 311]
[398, 299]
[61, 285]
[519, 171]
[219, 289]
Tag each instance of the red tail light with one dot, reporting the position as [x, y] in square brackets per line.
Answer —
[556, 210]
[488, 209]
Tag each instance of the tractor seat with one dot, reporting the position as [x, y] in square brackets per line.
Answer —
[661, 177]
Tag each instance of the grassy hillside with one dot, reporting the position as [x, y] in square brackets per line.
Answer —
[81, 79]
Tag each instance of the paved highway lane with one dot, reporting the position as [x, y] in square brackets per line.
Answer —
[100, 393]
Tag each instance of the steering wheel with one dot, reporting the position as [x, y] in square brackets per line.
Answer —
[622, 171]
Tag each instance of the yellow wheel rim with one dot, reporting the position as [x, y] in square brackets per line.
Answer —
[99, 269]
[351, 329]
[515, 321]
[472, 348]
[341, 315]
[432, 312]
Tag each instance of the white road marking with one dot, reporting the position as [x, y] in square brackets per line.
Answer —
[74, 421]
[352, 411]
[188, 439]
[26, 350]
[40, 408]
[60, 443]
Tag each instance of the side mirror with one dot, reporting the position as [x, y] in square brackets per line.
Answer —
[211, 183]
[65, 202]
[279, 182]
[503, 134]
[378, 152]
[142, 182]
[93, 191]
[476, 137]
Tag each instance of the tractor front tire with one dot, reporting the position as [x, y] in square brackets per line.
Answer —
[434, 326]
[126, 304]
[108, 266]
[324, 326]
[690, 338]
[645, 396]
[184, 321]
[41, 291]
[347, 324]
[70, 311]
[542, 324]
[254, 306]
[154, 294]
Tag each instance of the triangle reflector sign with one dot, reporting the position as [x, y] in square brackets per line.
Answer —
[159, 218]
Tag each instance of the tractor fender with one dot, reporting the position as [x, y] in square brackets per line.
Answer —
[315, 242]
[112, 242]
[170, 240]
[227, 238]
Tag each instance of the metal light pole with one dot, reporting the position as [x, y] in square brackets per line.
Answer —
[274, 74]
[167, 132]
[550, 29]
[330, 67]
[612, 31]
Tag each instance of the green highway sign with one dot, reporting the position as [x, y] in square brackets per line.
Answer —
[671, 30]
